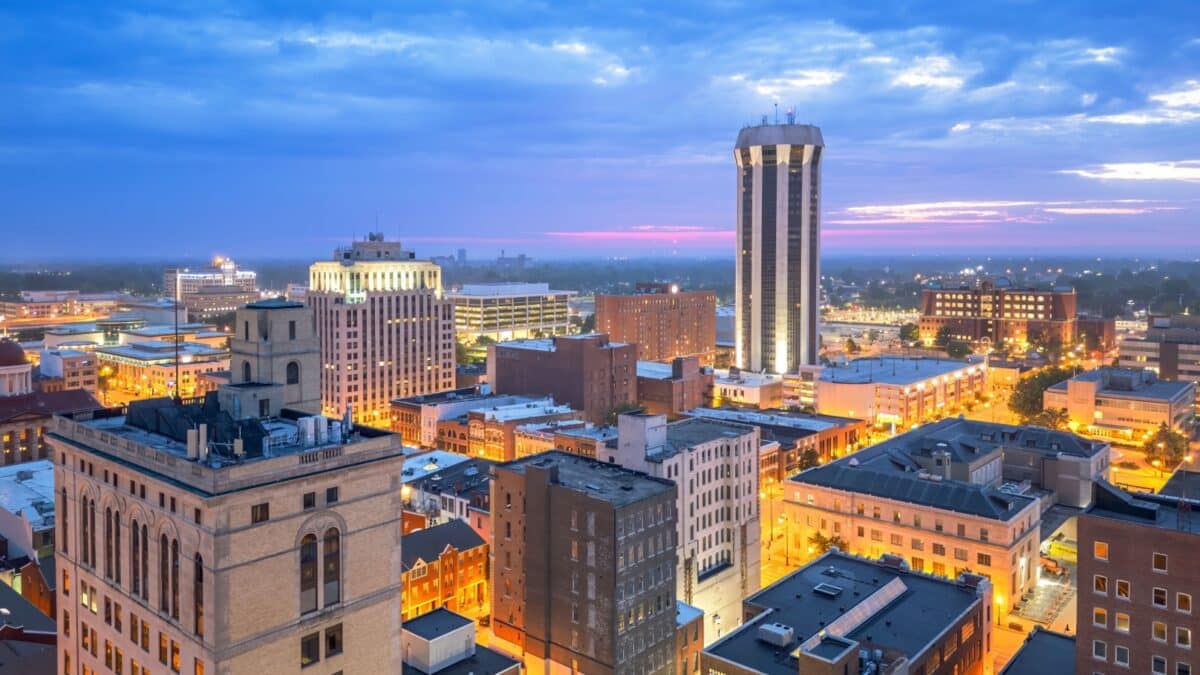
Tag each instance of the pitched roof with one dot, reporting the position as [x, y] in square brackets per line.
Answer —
[47, 403]
[429, 543]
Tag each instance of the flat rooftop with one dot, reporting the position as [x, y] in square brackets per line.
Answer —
[810, 422]
[745, 378]
[894, 370]
[653, 370]
[158, 351]
[1043, 651]
[607, 482]
[846, 599]
[28, 489]
[1150, 510]
[524, 410]
[548, 344]
[506, 289]
[459, 395]
[688, 433]
[1183, 482]
[428, 463]
[685, 613]
[1129, 383]
[965, 439]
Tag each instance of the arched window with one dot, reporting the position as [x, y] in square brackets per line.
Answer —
[64, 538]
[116, 525]
[198, 594]
[293, 372]
[175, 579]
[308, 574]
[164, 575]
[333, 567]
[135, 564]
[145, 564]
[92, 531]
[83, 531]
[108, 543]
[245, 371]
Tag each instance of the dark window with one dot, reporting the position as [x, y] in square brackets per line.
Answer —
[333, 568]
[246, 330]
[308, 574]
[310, 649]
[260, 513]
[175, 579]
[331, 495]
[198, 594]
[291, 330]
[293, 372]
[164, 575]
[135, 569]
[333, 640]
[310, 500]
[245, 371]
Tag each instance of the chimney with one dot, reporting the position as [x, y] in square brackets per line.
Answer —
[239, 448]
[202, 441]
[192, 443]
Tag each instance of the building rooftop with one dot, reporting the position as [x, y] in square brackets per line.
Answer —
[607, 482]
[426, 464]
[811, 423]
[46, 403]
[27, 637]
[449, 396]
[653, 370]
[161, 350]
[779, 134]
[1151, 510]
[469, 480]
[27, 489]
[1184, 482]
[894, 370]
[519, 411]
[275, 303]
[165, 331]
[688, 433]
[427, 544]
[548, 344]
[745, 378]
[1129, 383]
[506, 289]
[685, 613]
[839, 602]
[478, 659]
[436, 623]
[966, 439]
[1043, 651]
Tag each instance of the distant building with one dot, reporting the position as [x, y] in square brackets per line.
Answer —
[995, 312]
[491, 431]
[588, 372]
[898, 390]
[1124, 405]
[62, 369]
[41, 304]
[1137, 584]
[416, 418]
[843, 614]
[715, 467]
[673, 388]
[583, 576]
[443, 643]
[456, 491]
[210, 301]
[778, 268]
[386, 330]
[148, 369]
[509, 311]
[26, 414]
[576, 437]
[689, 638]
[1170, 347]
[745, 389]
[444, 565]
[662, 320]
[1097, 333]
[178, 283]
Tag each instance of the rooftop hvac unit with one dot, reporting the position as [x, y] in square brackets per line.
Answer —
[776, 634]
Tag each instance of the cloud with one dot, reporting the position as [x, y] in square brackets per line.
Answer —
[1186, 170]
[789, 82]
[649, 234]
[1103, 54]
[1186, 97]
[981, 212]
[934, 72]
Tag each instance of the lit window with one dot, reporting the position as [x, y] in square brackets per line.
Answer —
[1100, 550]
[1160, 562]
[1121, 622]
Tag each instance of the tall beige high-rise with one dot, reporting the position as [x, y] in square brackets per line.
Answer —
[386, 329]
[233, 535]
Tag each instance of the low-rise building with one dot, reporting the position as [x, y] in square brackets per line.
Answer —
[455, 491]
[1043, 651]
[573, 436]
[27, 531]
[491, 431]
[443, 643]
[1123, 405]
[25, 414]
[673, 388]
[27, 636]
[148, 369]
[689, 638]
[446, 566]
[509, 311]
[746, 389]
[211, 301]
[1170, 347]
[416, 418]
[62, 369]
[843, 614]
[900, 391]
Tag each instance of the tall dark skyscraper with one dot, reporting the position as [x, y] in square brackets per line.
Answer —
[779, 246]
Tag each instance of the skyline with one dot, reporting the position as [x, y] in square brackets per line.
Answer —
[235, 130]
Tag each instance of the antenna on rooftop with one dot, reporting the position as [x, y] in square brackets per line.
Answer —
[791, 115]
[175, 313]
[776, 112]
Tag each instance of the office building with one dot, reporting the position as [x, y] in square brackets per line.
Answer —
[588, 372]
[1123, 405]
[231, 535]
[573, 436]
[25, 413]
[737, 387]
[1137, 584]
[937, 498]
[663, 321]
[416, 418]
[62, 369]
[178, 283]
[149, 369]
[491, 431]
[583, 573]
[444, 565]
[992, 311]
[778, 269]
[673, 388]
[715, 467]
[900, 391]
[842, 614]
[212, 301]
[443, 643]
[509, 311]
[1170, 347]
[386, 331]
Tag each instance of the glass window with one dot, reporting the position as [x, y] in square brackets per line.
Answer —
[333, 640]
[260, 513]
[1160, 562]
[333, 568]
[1100, 617]
[1158, 631]
[1100, 550]
[310, 649]
[1158, 665]
[1122, 589]
[1099, 650]
[308, 574]
[331, 495]
[1100, 584]
[1121, 655]
[1183, 602]
[1160, 597]
[1183, 637]
[310, 500]
[1121, 622]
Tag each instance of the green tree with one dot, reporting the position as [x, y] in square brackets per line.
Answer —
[588, 325]
[872, 335]
[852, 346]
[809, 458]
[943, 336]
[1166, 445]
[1026, 399]
[462, 356]
[1051, 419]
[958, 349]
[910, 332]
[823, 543]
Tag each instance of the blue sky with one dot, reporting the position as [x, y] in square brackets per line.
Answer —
[180, 129]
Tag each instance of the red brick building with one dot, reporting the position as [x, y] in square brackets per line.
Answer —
[587, 372]
[673, 388]
[663, 321]
[444, 566]
[997, 313]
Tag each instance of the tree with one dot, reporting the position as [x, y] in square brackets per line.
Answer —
[872, 336]
[1051, 419]
[1167, 445]
[943, 336]
[809, 458]
[588, 325]
[461, 355]
[1026, 399]
[852, 346]
[909, 332]
[823, 543]
[958, 349]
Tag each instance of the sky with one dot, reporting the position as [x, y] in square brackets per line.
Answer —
[180, 129]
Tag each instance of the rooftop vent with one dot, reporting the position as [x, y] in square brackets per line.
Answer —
[827, 590]
[776, 634]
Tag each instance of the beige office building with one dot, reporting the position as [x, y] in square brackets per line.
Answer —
[386, 329]
[207, 538]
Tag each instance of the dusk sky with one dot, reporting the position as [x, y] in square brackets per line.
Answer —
[181, 129]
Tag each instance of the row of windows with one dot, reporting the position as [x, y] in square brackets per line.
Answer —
[1120, 655]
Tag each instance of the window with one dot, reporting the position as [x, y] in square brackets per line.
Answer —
[333, 568]
[1183, 602]
[198, 594]
[310, 649]
[260, 513]
[1183, 637]
[1121, 655]
[246, 376]
[1158, 631]
[164, 575]
[333, 640]
[1099, 650]
[291, 330]
[1100, 584]
[162, 648]
[310, 500]
[1158, 665]
[1182, 668]
[175, 661]
[939, 549]
[1100, 550]
[1100, 617]
[984, 559]
[293, 372]
[1160, 597]
[1121, 622]
[1160, 562]
[1122, 589]
[331, 495]
[308, 574]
